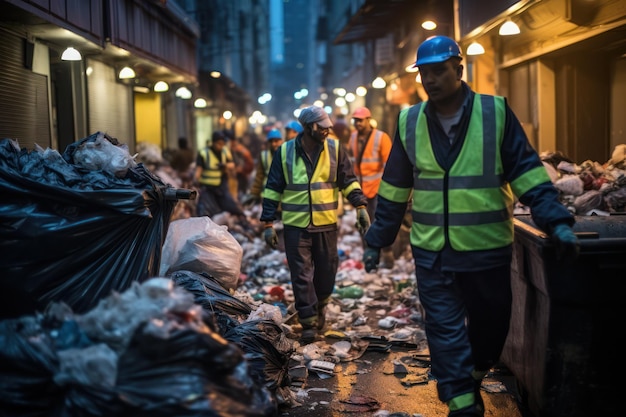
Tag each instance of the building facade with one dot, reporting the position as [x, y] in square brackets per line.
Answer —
[564, 74]
[52, 102]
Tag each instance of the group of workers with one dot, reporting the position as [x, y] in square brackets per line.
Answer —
[457, 161]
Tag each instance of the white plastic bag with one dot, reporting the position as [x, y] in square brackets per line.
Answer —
[198, 244]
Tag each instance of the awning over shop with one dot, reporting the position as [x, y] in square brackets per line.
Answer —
[375, 19]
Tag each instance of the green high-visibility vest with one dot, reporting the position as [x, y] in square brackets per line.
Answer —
[266, 162]
[471, 203]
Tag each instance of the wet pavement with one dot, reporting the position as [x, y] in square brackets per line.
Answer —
[373, 359]
[395, 383]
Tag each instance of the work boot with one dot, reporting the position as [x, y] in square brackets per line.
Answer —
[308, 335]
[476, 409]
[309, 330]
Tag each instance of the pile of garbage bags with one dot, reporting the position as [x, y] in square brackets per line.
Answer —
[76, 226]
[151, 350]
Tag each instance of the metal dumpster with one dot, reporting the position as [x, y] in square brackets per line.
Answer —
[562, 346]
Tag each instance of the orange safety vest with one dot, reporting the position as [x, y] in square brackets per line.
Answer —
[370, 165]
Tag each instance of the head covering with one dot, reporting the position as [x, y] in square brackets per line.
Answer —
[218, 135]
[295, 126]
[362, 113]
[437, 49]
[274, 134]
[314, 114]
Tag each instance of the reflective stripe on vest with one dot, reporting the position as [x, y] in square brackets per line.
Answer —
[211, 172]
[471, 202]
[310, 200]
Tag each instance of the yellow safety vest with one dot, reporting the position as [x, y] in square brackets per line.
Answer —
[211, 171]
[312, 200]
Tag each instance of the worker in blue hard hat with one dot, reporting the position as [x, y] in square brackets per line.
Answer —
[292, 129]
[461, 158]
[274, 140]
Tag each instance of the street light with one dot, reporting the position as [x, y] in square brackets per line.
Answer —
[509, 28]
[429, 25]
[379, 83]
[475, 48]
[71, 54]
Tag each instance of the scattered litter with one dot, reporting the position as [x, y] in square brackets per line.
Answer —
[493, 387]
[322, 366]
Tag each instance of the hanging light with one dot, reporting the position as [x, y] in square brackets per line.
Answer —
[184, 93]
[429, 25]
[161, 86]
[71, 54]
[200, 103]
[475, 49]
[126, 73]
[379, 83]
[411, 68]
[509, 28]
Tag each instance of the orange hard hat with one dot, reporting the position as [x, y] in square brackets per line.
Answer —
[362, 113]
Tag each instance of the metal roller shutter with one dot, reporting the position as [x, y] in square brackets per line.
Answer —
[110, 104]
[24, 105]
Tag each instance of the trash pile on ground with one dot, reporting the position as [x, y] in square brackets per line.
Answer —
[589, 188]
[200, 320]
[368, 311]
[150, 350]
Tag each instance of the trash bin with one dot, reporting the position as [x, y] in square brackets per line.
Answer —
[562, 345]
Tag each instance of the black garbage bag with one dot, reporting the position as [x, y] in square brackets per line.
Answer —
[267, 350]
[217, 302]
[74, 234]
[50, 368]
[28, 362]
[170, 369]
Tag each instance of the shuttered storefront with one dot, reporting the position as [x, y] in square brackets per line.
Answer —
[24, 104]
[110, 104]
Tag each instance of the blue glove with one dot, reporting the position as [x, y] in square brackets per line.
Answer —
[271, 238]
[565, 242]
[362, 220]
[371, 259]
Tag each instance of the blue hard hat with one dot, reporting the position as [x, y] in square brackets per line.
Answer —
[295, 126]
[437, 49]
[274, 134]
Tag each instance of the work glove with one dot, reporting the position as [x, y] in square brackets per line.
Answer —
[362, 220]
[250, 199]
[565, 242]
[371, 259]
[271, 238]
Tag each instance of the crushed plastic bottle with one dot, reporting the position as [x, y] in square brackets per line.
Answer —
[351, 291]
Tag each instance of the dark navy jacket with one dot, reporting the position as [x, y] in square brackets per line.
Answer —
[276, 182]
